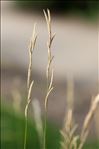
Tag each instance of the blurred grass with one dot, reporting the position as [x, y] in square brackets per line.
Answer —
[86, 8]
[12, 132]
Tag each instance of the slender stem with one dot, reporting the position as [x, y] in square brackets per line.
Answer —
[45, 115]
[48, 70]
[29, 82]
[45, 126]
[25, 135]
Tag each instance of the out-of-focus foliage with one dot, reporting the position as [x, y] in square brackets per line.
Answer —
[85, 8]
[12, 133]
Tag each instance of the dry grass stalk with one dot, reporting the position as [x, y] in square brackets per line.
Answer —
[96, 120]
[29, 82]
[31, 48]
[28, 98]
[87, 121]
[49, 70]
[69, 140]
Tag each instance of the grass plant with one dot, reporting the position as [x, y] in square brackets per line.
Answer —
[29, 82]
[70, 140]
[69, 137]
[49, 69]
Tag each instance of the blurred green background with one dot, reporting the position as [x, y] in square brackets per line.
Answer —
[12, 132]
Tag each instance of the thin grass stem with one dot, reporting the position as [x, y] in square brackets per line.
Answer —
[29, 83]
[49, 70]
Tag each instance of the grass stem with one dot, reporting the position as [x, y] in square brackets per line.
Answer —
[29, 83]
[49, 69]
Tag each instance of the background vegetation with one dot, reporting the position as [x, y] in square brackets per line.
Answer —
[85, 8]
[12, 132]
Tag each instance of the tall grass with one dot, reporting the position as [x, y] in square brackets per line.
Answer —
[70, 138]
[49, 69]
[87, 121]
[29, 82]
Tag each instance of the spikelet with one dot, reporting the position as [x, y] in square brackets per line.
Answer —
[49, 69]
[31, 48]
[29, 82]
[69, 139]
